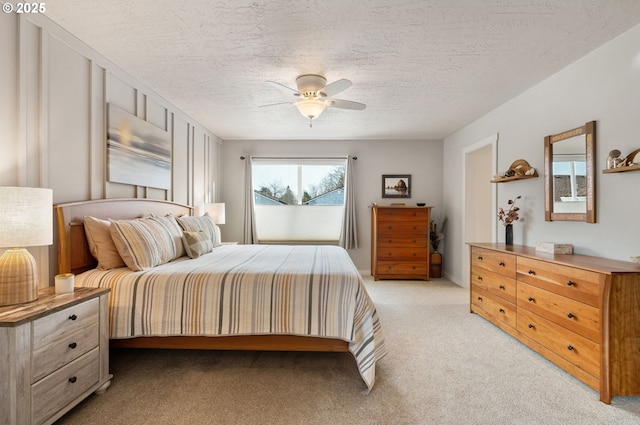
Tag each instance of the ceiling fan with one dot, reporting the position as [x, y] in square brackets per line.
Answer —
[315, 94]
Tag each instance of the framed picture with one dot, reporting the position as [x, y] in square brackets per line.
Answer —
[138, 152]
[396, 185]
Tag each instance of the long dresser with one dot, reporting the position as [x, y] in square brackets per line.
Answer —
[580, 312]
[400, 242]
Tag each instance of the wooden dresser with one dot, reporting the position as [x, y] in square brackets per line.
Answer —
[55, 353]
[580, 312]
[400, 242]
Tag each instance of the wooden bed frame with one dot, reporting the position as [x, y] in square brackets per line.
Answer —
[74, 257]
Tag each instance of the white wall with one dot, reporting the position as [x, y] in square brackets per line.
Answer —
[603, 86]
[420, 158]
[53, 122]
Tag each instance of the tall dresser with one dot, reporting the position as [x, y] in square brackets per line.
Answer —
[400, 242]
[580, 312]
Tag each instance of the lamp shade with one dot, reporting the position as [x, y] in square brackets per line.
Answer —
[26, 217]
[216, 211]
[310, 108]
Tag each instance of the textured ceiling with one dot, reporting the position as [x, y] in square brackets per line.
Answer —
[424, 68]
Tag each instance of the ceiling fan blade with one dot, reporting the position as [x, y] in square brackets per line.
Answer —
[283, 87]
[274, 104]
[346, 104]
[336, 87]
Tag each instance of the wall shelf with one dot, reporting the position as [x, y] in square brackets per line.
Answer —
[521, 170]
[633, 167]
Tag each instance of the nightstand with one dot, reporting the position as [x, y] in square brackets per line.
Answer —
[54, 353]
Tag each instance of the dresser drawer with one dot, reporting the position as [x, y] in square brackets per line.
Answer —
[572, 347]
[64, 385]
[400, 227]
[402, 267]
[63, 350]
[495, 261]
[497, 284]
[55, 326]
[398, 241]
[577, 284]
[493, 305]
[574, 315]
[403, 214]
[402, 253]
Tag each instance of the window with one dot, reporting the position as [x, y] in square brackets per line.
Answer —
[298, 200]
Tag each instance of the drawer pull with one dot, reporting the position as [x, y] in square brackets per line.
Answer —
[570, 316]
[73, 345]
[531, 299]
[479, 298]
[501, 264]
[501, 310]
[479, 278]
[570, 347]
[480, 257]
[571, 283]
[531, 272]
[531, 326]
[501, 287]
[73, 379]
[73, 317]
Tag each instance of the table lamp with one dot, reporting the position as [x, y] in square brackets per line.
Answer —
[216, 211]
[26, 219]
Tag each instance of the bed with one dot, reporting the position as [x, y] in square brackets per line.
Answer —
[231, 297]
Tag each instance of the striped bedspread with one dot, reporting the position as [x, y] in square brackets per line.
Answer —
[248, 290]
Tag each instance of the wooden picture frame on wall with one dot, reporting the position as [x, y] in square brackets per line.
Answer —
[396, 185]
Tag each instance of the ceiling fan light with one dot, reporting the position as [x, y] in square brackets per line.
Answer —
[310, 108]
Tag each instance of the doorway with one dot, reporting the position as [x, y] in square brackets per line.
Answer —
[479, 202]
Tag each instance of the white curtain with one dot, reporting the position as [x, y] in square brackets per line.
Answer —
[250, 234]
[349, 234]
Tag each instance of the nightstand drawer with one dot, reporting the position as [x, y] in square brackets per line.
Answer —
[63, 350]
[54, 327]
[64, 385]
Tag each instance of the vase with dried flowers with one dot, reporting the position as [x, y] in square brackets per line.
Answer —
[435, 237]
[508, 217]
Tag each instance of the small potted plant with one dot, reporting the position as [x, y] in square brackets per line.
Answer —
[435, 237]
[508, 217]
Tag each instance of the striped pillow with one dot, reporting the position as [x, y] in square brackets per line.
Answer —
[197, 243]
[203, 223]
[146, 243]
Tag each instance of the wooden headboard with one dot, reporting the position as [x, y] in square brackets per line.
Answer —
[73, 251]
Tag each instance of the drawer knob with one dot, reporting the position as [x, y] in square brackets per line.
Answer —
[73, 317]
[570, 347]
[479, 277]
[480, 257]
[501, 287]
[531, 299]
[479, 298]
[570, 316]
[571, 283]
[73, 379]
[73, 345]
[531, 326]
[501, 310]
[531, 272]
[501, 264]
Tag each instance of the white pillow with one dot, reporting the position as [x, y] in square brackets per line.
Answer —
[101, 243]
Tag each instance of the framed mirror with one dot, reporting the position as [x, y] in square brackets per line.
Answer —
[569, 176]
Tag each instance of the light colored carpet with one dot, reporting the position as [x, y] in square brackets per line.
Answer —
[445, 366]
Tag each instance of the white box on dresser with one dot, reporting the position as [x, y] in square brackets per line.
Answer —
[54, 352]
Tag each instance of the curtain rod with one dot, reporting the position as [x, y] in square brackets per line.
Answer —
[301, 157]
